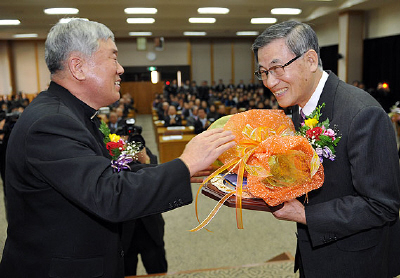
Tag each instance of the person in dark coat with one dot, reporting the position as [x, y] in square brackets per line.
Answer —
[350, 226]
[202, 123]
[65, 201]
[172, 119]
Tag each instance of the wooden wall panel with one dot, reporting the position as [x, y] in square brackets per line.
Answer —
[143, 94]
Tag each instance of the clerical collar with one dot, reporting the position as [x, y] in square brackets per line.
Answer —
[94, 115]
[313, 101]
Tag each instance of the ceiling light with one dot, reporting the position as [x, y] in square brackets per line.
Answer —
[291, 11]
[25, 36]
[140, 20]
[61, 11]
[66, 20]
[140, 33]
[263, 20]
[194, 33]
[140, 10]
[202, 20]
[10, 22]
[212, 10]
[247, 33]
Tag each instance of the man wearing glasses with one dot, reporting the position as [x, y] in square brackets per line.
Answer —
[350, 226]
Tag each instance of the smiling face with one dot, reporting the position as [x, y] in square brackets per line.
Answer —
[298, 83]
[103, 75]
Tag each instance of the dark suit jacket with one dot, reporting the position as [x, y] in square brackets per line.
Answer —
[167, 121]
[353, 225]
[65, 202]
[198, 126]
[113, 128]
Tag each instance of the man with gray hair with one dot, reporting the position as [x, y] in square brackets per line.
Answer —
[65, 201]
[350, 226]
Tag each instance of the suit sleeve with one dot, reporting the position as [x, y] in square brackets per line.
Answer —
[375, 201]
[68, 159]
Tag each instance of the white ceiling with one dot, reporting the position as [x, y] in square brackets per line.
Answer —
[171, 19]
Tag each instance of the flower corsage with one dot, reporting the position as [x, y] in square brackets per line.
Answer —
[121, 151]
[319, 134]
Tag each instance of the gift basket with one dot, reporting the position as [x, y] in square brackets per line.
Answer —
[269, 165]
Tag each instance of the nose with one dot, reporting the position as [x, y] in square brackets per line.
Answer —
[271, 81]
[120, 69]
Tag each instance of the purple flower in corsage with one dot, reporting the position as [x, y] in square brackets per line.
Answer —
[321, 137]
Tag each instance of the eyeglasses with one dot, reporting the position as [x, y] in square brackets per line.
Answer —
[276, 71]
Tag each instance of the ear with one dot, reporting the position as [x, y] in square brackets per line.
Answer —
[312, 59]
[76, 66]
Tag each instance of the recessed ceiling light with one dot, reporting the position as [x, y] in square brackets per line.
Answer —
[10, 22]
[140, 34]
[247, 33]
[194, 33]
[140, 10]
[263, 20]
[135, 20]
[202, 20]
[292, 11]
[66, 20]
[61, 11]
[212, 10]
[25, 36]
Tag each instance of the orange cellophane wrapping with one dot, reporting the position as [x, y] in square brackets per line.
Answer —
[293, 156]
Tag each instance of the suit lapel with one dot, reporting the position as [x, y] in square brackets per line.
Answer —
[328, 97]
[296, 117]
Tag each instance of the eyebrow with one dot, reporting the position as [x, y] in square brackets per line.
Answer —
[273, 62]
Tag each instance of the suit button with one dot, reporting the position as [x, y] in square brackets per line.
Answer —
[122, 253]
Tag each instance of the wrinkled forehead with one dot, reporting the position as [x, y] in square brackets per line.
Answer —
[274, 53]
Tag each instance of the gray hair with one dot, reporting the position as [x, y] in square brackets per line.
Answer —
[299, 38]
[77, 35]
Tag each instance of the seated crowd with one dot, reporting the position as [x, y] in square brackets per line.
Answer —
[200, 106]
[119, 112]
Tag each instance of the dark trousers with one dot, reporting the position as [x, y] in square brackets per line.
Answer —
[151, 253]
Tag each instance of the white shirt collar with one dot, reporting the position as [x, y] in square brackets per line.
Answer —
[313, 101]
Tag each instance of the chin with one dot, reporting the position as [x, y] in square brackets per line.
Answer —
[284, 104]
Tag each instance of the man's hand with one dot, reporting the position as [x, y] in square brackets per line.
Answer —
[292, 210]
[205, 148]
[142, 157]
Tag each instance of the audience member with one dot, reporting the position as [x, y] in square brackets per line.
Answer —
[220, 86]
[203, 91]
[201, 124]
[193, 116]
[193, 90]
[234, 110]
[213, 114]
[221, 111]
[163, 112]
[241, 85]
[113, 122]
[173, 119]
[230, 102]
